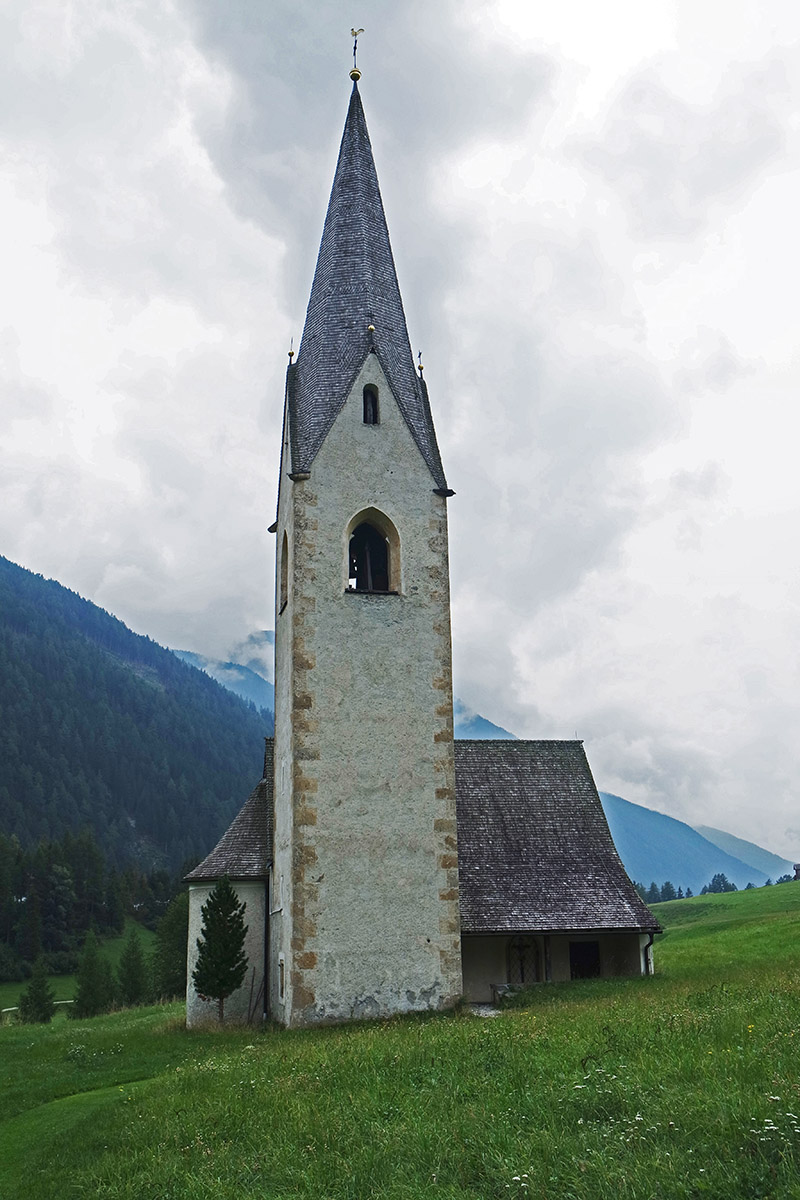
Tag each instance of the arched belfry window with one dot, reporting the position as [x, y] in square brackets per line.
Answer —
[373, 553]
[371, 416]
[369, 559]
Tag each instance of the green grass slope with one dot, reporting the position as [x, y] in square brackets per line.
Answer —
[684, 1086]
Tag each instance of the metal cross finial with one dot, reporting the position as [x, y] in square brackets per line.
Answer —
[291, 350]
[355, 74]
[419, 361]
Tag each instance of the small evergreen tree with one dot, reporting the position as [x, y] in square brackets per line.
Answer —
[95, 982]
[132, 974]
[37, 1002]
[169, 958]
[653, 893]
[221, 961]
[680, 893]
[668, 891]
[719, 883]
[688, 894]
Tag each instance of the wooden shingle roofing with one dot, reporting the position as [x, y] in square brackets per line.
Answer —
[245, 849]
[534, 848]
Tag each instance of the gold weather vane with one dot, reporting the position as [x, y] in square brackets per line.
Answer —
[355, 74]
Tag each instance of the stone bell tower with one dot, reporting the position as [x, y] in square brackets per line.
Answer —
[364, 913]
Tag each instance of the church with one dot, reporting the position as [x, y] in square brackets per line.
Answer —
[386, 867]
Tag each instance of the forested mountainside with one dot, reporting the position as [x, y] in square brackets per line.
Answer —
[101, 728]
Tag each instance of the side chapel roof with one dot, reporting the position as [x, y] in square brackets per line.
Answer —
[355, 286]
[245, 849]
[534, 848]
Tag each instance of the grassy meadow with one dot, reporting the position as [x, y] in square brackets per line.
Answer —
[680, 1086]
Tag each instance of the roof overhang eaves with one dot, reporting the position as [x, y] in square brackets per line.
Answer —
[561, 930]
[240, 877]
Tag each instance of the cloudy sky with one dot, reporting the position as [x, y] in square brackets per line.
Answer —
[593, 210]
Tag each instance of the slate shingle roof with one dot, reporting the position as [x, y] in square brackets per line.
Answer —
[245, 849]
[534, 849]
[355, 285]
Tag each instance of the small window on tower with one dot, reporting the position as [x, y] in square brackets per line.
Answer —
[283, 596]
[371, 405]
[283, 575]
[369, 559]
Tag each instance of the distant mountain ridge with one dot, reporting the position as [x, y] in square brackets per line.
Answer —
[250, 685]
[754, 856]
[656, 848]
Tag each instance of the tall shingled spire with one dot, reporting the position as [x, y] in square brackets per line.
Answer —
[355, 308]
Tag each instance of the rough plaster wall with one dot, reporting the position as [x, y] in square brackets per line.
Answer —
[281, 897]
[372, 829]
[237, 1005]
[484, 961]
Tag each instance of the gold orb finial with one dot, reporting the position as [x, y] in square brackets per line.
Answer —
[355, 74]
[370, 329]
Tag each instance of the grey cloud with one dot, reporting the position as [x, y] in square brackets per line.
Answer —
[22, 400]
[711, 363]
[670, 160]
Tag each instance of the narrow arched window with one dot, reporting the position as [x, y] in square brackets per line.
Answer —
[283, 595]
[371, 405]
[369, 559]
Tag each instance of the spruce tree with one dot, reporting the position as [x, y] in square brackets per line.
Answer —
[95, 982]
[221, 961]
[169, 958]
[37, 1002]
[132, 974]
